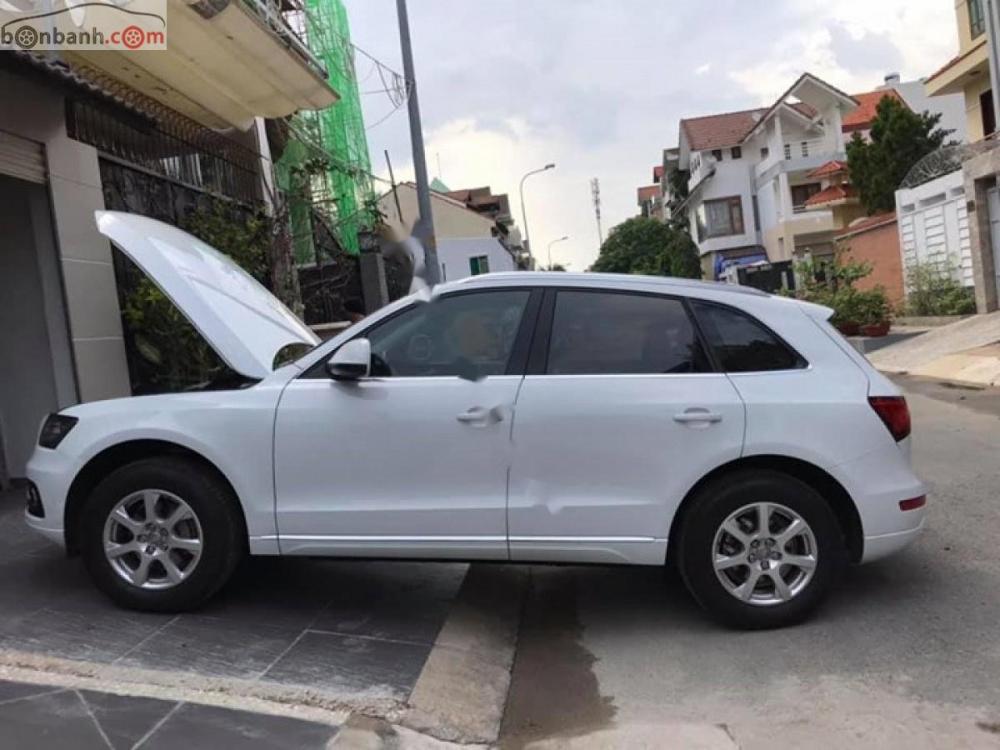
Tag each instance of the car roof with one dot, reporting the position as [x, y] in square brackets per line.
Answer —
[607, 280]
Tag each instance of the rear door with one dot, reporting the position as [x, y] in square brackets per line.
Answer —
[619, 415]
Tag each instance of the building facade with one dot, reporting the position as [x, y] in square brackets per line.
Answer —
[469, 241]
[968, 73]
[128, 131]
[961, 182]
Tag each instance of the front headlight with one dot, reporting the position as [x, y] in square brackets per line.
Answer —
[56, 427]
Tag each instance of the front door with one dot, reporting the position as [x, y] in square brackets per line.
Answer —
[413, 460]
[616, 419]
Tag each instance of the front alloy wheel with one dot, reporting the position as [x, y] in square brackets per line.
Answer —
[153, 539]
[162, 534]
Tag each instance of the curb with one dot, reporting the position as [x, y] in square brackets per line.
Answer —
[461, 693]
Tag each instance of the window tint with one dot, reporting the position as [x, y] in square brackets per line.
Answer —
[464, 335]
[603, 333]
[741, 344]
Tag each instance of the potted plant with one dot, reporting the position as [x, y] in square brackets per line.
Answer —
[846, 310]
[874, 312]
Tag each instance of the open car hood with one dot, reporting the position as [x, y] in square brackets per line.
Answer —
[239, 318]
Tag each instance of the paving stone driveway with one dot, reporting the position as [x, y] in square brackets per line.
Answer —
[345, 628]
[37, 716]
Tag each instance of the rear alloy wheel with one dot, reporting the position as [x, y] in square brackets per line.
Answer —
[162, 534]
[764, 554]
[760, 549]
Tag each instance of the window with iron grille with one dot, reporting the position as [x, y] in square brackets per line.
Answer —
[181, 151]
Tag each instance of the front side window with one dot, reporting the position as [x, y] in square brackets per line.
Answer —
[603, 333]
[465, 335]
[720, 218]
[740, 343]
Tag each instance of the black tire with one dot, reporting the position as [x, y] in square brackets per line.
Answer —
[224, 539]
[714, 504]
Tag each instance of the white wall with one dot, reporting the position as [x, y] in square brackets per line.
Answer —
[951, 107]
[934, 226]
[454, 255]
[451, 218]
[732, 178]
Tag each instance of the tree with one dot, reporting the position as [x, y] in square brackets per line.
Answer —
[647, 246]
[899, 139]
[678, 184]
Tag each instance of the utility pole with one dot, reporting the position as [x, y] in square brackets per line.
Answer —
[595, 191]
[423, 230]
[993, 48]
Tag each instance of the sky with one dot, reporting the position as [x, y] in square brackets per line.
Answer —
[598, 86]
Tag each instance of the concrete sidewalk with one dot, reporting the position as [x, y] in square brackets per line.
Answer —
[966, 352]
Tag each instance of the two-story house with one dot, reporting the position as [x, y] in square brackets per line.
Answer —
[750, 176]
[157, 132]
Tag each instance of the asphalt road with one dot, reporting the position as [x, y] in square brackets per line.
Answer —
[906, 653]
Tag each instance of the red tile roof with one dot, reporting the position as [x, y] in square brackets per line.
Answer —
[648, 193]
[831, 194]
[729, 129]
[719, 131]
[871, 222]
[862, 117]
[831, 167]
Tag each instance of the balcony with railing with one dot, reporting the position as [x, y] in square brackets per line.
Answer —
[225, 63]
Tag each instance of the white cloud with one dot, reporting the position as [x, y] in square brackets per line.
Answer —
[473, 154]
[599, 88]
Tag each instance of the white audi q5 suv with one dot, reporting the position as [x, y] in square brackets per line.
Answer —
[522, 417]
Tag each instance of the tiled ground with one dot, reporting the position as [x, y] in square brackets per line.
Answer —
[37, 716]
[338, 626]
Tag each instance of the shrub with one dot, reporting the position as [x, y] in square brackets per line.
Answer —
[933, 290]
[832, 284]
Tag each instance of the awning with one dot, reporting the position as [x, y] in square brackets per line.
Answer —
[221, 68]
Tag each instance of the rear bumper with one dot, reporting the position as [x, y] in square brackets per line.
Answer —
[878, 483]
[883, 545]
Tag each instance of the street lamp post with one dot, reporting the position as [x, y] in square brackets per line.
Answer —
[564, 237]
[524, 211]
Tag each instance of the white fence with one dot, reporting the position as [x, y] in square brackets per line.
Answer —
[934, 226]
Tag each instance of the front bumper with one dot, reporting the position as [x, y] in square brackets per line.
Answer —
[52, 473]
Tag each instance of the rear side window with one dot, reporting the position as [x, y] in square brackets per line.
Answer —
[742, 344]
[600, 333]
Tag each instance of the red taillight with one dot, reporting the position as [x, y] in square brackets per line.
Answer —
[894, 412]
[913, 503]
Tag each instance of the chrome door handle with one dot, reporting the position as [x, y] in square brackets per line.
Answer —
[481, 415]
[689, 416]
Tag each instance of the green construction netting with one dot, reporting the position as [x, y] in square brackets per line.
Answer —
[341, 191]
